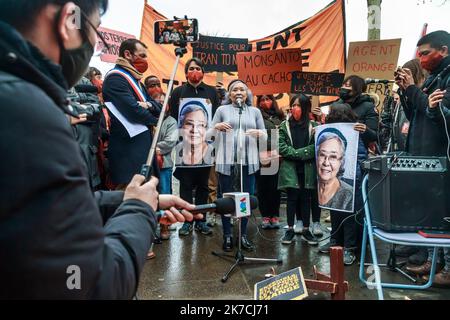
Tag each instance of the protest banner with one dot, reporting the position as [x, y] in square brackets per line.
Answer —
[219, 54]
[286, 286]
[317, 83]
[327, 26]
[373, 59]
[114, 39]
[382, 90]
[268, 72]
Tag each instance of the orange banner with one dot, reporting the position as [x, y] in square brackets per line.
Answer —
[321, 38]
[266, 72]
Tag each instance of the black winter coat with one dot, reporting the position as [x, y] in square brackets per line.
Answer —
[127, 155]
[50, 221]
[364, 108]
[427, 135]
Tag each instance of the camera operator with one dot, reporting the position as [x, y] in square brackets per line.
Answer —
[427, 133]
[394, 124]
[52, 241]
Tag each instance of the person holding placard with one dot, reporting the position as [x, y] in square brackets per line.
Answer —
[297, 174]
[352, 93]
[344, 233]
[196, 90]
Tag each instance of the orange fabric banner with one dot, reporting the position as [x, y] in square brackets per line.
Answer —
[321, 38]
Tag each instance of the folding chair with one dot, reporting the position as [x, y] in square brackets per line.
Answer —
[404, 238]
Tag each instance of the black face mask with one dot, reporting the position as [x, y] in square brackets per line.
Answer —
[75, 62]
[345, 94]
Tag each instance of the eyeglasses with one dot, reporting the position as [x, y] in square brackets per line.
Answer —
[102, 39]
[331, 158]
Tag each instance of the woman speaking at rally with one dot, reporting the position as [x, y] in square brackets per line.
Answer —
[234, 146]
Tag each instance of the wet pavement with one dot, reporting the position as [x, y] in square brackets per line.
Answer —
[186, 269]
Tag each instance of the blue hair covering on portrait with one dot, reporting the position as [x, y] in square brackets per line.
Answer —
[188, 107]
[332, 131]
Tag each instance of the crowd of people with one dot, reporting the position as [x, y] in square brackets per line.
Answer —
[71, 190]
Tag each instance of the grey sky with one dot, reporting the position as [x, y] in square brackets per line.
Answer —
[255, 19]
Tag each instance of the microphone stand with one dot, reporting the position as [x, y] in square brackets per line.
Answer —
[239, 257]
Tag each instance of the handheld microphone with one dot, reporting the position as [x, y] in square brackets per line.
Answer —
[369, 81]
[222, 206]
[240, 102]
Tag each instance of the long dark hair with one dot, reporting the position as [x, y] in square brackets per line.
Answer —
[305, 105]
[419, 74]
[275, 108]
[357, 83]
[341, 112]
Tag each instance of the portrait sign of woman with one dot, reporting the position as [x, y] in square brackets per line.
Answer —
[193, 126]
[334, 192]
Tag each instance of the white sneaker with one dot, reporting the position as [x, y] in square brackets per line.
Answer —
[317, 229]
[298, 229]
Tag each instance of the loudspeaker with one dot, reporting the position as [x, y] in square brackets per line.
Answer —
[408, 193]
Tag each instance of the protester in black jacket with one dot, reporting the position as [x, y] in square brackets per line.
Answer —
[352, 93]
[428, 109]
[202, 180]
[52, 241]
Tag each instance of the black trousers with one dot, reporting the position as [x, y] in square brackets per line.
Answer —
[268, 195]
[301, 202]
[194, 180]
[347, 235]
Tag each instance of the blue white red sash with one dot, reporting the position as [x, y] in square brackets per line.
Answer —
[135, 85]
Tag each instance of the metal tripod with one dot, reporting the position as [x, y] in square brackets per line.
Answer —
[239, 257]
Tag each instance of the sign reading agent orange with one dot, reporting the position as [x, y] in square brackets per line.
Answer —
[373, 59]
[269, 72]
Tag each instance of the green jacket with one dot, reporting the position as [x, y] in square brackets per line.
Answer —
[288, 172]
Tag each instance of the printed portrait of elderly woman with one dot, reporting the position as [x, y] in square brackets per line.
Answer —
[193, 148]
[334, 192]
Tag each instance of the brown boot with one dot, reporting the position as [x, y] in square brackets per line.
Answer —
[423, 269]
[165, 232]
[441, 279]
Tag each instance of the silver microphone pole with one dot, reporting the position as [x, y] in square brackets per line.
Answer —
[147, 170]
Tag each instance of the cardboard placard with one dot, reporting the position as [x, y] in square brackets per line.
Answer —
[269, 72]
[373, 59]
[219, 54]
[382, 91]
[317, 83]
[114, 39]
[286, 286]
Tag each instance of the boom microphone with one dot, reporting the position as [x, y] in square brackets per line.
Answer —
[222, 206]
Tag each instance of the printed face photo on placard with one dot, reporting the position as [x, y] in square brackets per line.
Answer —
[194, 147]
[336, 161]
